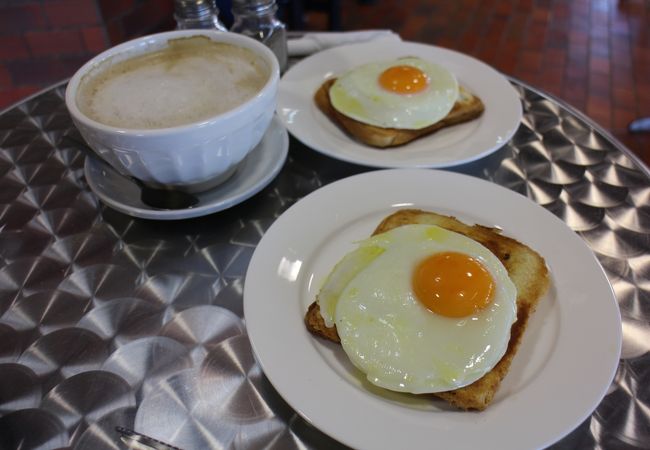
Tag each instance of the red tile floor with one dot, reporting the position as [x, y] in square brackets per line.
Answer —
[593, 54]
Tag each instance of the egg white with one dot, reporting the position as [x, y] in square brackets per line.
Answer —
[358, 94]
[396, 341]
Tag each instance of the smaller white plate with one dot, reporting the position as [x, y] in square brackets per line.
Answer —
[257, 170]
[448, 147]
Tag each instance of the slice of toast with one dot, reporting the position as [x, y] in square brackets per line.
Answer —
[526, 268]
[467, 107]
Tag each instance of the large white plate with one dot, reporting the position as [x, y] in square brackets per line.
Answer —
[448, 147]
[567, 360]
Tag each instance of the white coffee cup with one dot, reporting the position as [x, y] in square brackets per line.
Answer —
[192, 156]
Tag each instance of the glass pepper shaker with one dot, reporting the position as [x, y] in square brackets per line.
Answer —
[193, 14]
[256, 19]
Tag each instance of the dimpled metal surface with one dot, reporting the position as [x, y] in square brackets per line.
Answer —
[107, 320]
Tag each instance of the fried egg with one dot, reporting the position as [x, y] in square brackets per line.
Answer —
[421, 309]
[408, 93]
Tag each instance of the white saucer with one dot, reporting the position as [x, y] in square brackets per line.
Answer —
[259, 168]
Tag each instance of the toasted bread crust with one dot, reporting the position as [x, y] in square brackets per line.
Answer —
[468, 107]
[526, 268]
[315, 323]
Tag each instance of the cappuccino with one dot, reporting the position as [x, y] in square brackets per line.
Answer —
[191, 80]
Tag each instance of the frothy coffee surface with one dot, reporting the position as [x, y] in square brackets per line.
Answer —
[191, 80]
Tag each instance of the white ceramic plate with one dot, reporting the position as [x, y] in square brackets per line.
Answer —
[567, 360]
[448, 147]
[257, 170]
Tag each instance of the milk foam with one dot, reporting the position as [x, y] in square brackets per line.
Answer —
[187, 82]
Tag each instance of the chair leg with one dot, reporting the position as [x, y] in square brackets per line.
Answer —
[292, 13]
[334, 15]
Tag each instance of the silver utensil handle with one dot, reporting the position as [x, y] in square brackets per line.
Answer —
[140, 441]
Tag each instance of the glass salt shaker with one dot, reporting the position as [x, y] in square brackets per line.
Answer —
[193, 14]
[256, 19]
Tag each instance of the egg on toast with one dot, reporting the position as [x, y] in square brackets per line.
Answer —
[525, 268]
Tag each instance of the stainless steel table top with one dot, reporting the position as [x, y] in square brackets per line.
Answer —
[107, 320]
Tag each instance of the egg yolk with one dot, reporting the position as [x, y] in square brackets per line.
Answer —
[403, 79]
[453, 284]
